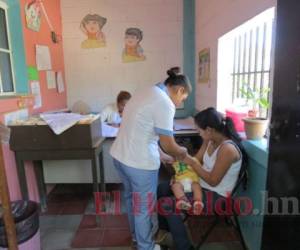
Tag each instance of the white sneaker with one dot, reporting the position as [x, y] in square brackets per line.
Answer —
[156, 247]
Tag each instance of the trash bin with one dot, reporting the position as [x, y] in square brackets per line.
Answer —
[26, 217]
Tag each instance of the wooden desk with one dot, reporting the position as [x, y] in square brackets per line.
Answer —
[79, 142]
[189, 139]
[186, 133]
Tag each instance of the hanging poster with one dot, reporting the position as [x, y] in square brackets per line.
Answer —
[33, 15]
[36, 92]
[204, 66]
[133, 51]
[43, 58]
[91, 25]
[51, 80]
[60, 82]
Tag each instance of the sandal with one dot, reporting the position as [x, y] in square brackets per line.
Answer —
[160, 236]
[198, 207]
[183, 204]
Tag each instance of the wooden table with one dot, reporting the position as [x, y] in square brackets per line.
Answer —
[37, 156]
[38, 142]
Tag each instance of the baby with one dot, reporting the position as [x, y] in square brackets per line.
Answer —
[186, 180]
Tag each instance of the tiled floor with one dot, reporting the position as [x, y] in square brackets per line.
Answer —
[70, 223]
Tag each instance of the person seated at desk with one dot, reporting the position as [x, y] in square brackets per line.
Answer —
[112, 113]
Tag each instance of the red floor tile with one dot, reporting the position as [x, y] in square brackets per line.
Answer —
[74, 207]
[89, 222]
[116, 237]
[87, 238]
[105, 222]
[115, 221]
[53, 209]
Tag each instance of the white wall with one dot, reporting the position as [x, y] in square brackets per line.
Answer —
[214, 18]
[97, 75]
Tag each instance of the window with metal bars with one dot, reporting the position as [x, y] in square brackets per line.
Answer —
[244, 65]
[252, 59]
[6, 71]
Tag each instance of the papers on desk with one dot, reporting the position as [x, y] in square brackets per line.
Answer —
[184, 124]
[60, 122]
[108, 131]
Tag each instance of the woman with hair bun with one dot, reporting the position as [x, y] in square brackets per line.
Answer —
[218, 163]
[147, 119]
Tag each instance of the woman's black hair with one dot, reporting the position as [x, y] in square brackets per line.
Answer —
[210, 117]
[177, 79]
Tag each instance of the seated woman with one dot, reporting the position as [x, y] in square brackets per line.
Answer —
[112, 113]
[220, 158]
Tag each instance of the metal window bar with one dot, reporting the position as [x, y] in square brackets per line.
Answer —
[238, 67]
[256, 57]
[234, 69]
[250, 58]
[244, 63]
[263, 64]
[239, 75]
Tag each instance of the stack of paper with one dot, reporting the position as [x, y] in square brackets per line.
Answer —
[59, 122]
[184, 124]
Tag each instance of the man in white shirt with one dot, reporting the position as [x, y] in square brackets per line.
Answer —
[112, 113]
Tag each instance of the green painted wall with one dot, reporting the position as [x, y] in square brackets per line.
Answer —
[188, 54]
[251, 225]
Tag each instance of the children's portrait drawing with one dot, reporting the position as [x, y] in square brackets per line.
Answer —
[133, 51]
[91, 25]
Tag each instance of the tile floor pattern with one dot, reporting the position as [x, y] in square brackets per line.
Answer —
[70, 223]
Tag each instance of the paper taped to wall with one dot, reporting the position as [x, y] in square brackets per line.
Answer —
[60, 82]
[51, 80]
[43, 58]
[36, 91]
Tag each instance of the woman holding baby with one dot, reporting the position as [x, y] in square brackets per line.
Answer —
[217, 164]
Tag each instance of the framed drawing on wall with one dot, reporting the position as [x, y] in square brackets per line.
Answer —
[204, 66]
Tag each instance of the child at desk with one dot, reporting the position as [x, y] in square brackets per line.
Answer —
[184, 181]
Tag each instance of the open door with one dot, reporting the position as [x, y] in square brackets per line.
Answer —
[281, 229]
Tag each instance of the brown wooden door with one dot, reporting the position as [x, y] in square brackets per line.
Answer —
[282, 225]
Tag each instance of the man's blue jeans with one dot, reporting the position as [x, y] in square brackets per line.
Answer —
[140, 195]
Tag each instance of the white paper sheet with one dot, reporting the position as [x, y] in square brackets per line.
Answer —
[60, 82]
[60, 122]
[184, 124]
[51, 79]
[108, 131]
[36, 91]
[43, 58]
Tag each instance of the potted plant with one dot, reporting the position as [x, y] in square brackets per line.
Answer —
[256, 126]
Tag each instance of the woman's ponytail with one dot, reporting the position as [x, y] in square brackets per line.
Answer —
[210, 117]
[229, 130]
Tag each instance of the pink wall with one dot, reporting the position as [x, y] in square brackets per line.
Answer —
[51, 99]
[215, 18]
